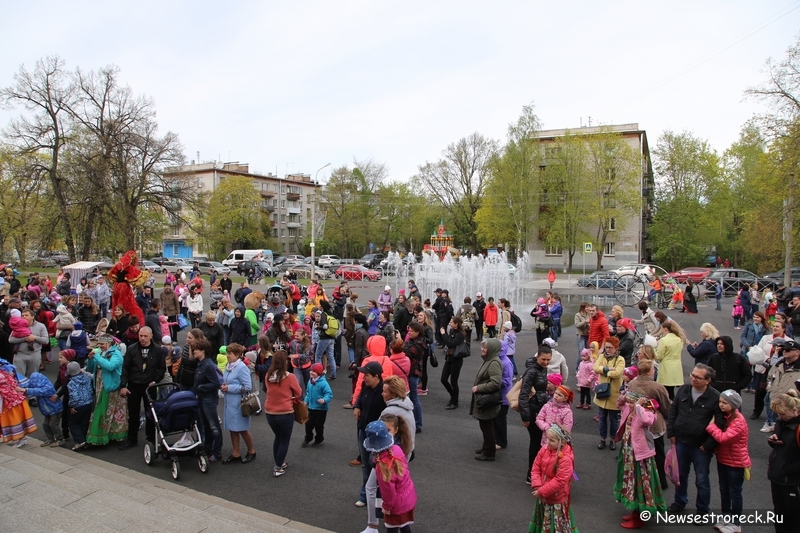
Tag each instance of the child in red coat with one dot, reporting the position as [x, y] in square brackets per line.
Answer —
[551, 476]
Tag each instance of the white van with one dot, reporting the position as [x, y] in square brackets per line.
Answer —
[237, 256]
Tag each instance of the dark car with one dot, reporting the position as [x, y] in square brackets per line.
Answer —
[158, 260]
[733, 279]
[778, 276]
[266, 269]
[600, 279]
[371, 260]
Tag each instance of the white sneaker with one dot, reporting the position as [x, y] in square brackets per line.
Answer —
[370, 529]
[22, 442]
[359, 503]
[767, 428]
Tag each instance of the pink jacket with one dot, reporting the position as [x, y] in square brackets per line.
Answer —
[399, 495]
[401, 365]
[552, 473]
[586, 376]
[732, 449]
[641, 438]
[554, 413]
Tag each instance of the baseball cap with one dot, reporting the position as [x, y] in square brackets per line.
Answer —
[791, 345]
[373, 367]
[479, 295]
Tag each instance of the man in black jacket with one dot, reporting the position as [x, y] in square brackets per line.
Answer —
[696, 404]
[479, 304]
[226, 284]
[151, 319]
[368, 407]
[445, 312]
[534, 378]
[143, 366]
[732, 370]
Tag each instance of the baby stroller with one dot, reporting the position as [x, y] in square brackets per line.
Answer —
[174, 412]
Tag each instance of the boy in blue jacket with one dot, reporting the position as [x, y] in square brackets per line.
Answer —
[318, 397]
[50, 405]
[81, 403]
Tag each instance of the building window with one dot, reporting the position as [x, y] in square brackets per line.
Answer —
[610, 249]
[609, 200]
[292, 232]
[275, 218]
[283, 218]
[612, 224]
[552, 250]
[275, 203]
[291, 247]
[275, 232]
[283, 204]
[283, 233]
[276, 187]
[174, 250]
[283, 247]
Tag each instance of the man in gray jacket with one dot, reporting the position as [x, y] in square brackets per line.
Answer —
[29, 355]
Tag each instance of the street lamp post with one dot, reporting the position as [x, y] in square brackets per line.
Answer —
[314, 219]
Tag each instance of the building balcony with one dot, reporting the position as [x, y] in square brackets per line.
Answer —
[266, 194]
[293, 195]
[292, 224]
[294, 210]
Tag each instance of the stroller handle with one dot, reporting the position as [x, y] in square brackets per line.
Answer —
[161, 390]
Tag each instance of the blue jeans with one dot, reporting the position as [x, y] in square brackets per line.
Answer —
[366, 465]
[555, 329]
[413, 382]
[583, 343]
[323, 346]
[719, 303]
[770, 412]
[613, 421]
[209, 425]
[731, 480]
[281, 426]
[688, 455]
[351, 353]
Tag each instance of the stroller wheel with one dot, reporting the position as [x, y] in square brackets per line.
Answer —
[149, 456]
[202, 463]
[176, 470]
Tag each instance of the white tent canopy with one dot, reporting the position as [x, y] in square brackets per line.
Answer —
[82, 268]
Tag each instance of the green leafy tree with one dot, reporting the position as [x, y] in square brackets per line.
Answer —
[234, 215]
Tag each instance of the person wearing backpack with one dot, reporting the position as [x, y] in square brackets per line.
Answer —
[467, 314]
[328, 327]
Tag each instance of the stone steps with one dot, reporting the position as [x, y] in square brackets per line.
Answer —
[58, 490]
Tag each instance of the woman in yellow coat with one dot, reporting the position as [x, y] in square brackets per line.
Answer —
[668, 355]
[609, 367]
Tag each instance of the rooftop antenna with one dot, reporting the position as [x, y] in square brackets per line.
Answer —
[590, 123]
[198, 157]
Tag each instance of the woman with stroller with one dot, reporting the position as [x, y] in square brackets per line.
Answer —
[236, 383]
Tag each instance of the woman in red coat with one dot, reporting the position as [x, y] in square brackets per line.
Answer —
[732, 455]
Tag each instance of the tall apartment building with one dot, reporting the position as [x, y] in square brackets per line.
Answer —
[630, 242]
[288, 201]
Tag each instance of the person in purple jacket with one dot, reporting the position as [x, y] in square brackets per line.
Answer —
[500, 421]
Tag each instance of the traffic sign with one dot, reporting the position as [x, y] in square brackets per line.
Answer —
[371, 246]
[587, 247]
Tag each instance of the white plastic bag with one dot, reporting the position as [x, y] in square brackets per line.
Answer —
[756, 355]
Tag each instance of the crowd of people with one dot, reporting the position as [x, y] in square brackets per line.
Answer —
[291, 346]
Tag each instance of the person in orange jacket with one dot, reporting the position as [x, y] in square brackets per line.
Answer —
[490, 318]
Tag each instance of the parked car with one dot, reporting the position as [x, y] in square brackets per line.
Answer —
[794, 274]
[213, 267]
[303, 271]
[327, 260]
[639, 268]
[159, 260]
[371, 260]
[266, 269]
[173, 265]
[149, 265]
[600, 279]
[733, 279]
[696, 274]
[358, 272]
[295, 257]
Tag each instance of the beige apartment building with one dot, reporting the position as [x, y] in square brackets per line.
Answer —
[288, 201]
[628, 240]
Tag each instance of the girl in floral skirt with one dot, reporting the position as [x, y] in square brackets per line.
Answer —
[551, 476]
[638, 486]
[16, 418]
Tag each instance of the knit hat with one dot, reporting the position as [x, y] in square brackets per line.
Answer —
[402, 291]
[378, 437]
[73, 368]
[387, 288]
[166, 340]
[625, 323]
[508, 325]
[550, 342]
[566, 392]
[631, 372]
[587, 352]
[318, 368]
[555, 379]
[68, 353]
[732, 397]
[540, 301]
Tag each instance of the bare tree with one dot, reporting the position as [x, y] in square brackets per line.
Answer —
[47, 94]
[457, 181]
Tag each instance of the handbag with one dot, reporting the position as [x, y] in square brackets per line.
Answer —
[300, 411]
[488, 399]
[182, 322]
[433, 360]
[250, 404]
[461, 351]
[602, 390]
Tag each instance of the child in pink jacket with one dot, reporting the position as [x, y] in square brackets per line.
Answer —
[587, 379]
[557, 411]
[391, 469]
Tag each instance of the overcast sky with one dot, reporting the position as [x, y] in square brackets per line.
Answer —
[291, 86]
